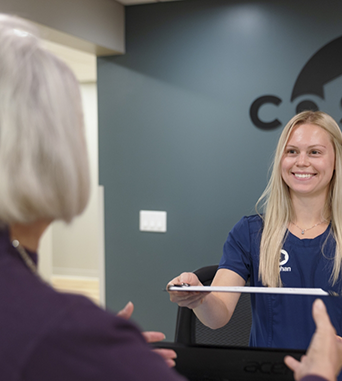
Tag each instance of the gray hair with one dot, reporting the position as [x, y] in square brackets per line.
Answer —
[44, 170]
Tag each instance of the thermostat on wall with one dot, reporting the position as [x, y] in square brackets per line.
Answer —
[152, 221]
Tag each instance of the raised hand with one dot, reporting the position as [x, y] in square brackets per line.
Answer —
[168, 355]
[324, 355]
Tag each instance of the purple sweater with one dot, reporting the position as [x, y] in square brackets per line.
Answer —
[47, 335]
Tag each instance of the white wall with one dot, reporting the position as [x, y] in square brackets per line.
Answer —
[95, 26]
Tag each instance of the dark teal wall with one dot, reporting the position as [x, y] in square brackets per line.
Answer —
[175, 132]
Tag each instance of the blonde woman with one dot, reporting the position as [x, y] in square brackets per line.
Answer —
[294, 241]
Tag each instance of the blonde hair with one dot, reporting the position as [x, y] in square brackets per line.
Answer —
[277, 206]
[44, 170]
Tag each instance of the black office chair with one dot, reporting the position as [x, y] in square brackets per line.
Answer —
[189, 330]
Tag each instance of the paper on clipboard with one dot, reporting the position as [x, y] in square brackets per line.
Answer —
[252, 290]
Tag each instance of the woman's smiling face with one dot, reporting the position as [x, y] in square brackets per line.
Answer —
[308, 162]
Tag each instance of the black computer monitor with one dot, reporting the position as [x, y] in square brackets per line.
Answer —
[223, 363]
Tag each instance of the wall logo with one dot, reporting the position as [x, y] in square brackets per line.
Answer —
[284, 257]
[324, 66]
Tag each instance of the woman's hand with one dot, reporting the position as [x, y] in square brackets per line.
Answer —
[168, 355]
[151, 337]
[324, 356]
[127, 311]
[183, 298]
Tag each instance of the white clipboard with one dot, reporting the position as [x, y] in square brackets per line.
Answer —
[252, 290]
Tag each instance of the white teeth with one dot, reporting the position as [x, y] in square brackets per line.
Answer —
[303, 176]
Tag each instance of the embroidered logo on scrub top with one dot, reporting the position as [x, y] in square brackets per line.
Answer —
[284, 257]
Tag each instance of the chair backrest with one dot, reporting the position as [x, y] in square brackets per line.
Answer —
[189, 330]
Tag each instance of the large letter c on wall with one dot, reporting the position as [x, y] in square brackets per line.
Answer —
[254, 110]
